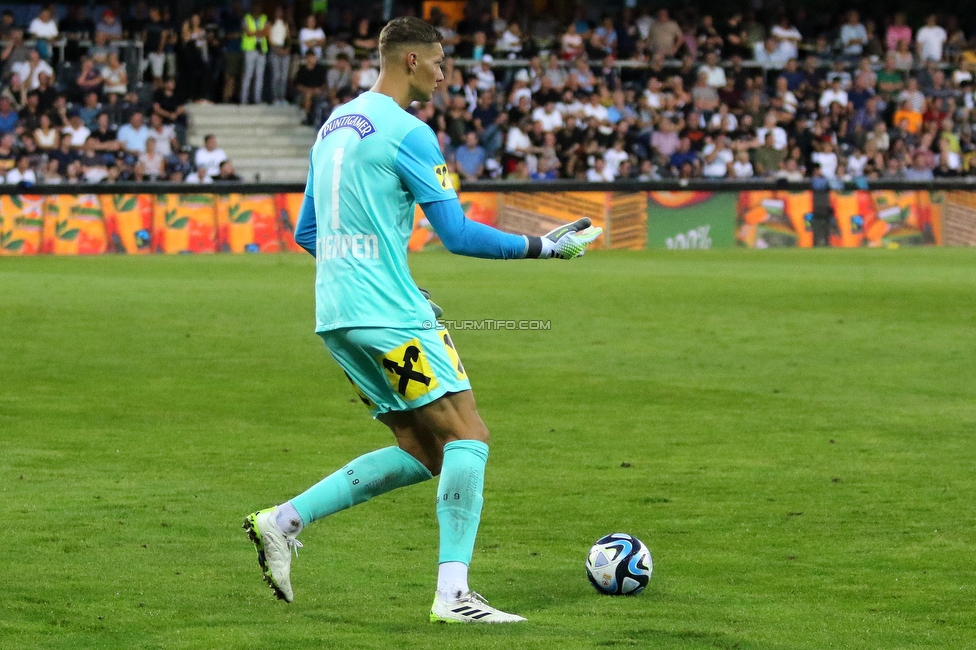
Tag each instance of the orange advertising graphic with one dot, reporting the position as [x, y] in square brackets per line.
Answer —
[128, 222]
[185, 223]
[289, 206]
[860, 218]
[74, 225]
[247, 223]
[21, 224]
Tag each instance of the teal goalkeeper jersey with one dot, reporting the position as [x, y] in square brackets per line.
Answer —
[370, 164]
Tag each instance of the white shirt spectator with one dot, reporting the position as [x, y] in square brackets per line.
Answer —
[599, 111]
[40, 29]
[827, 161]
[194, 179]
[731, 122]
[930, 40]
[368, 77]
[717, 168]
[306, 35]
[856, 164]
[787, 39]
[210, 160]
[23, 70]
[779, 137]
[517, 142]
[830, 96]
[116, 81]
[716, 75]
[550, 121]
[849, 34]
[15, 176]
[743, 169]
[78, 136]
[613, 158]
[573, 108]
[279, 33]
[654, 98]
[595, 176]
[486, 76]
[164, 138]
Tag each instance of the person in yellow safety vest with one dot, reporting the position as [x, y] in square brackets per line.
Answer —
[254, 44]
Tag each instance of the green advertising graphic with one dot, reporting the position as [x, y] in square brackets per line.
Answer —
[685, 220]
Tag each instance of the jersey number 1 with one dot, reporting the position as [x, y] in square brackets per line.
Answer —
[336, 171]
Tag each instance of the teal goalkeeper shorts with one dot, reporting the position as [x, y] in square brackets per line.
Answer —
[397, 369]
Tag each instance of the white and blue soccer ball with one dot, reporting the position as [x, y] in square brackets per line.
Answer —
[619, 565]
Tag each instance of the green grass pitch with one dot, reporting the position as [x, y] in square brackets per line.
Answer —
[792, 433]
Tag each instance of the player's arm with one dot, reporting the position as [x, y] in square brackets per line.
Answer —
[421, 168]
[463, 236]
[305, 228]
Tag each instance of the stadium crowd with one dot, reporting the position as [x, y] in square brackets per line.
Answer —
[637, 94]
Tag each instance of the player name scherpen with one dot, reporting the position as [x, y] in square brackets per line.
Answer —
[358, 246]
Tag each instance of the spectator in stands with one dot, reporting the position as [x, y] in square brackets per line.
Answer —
[930, 39]
[193, 60]
[179, 166]
[470, 158]
[339, 77]
[8, 116]
[254, 44]
[134, 134]
[164, 134]
[311, 38]
[167, 105]
[32, 70]
[199, 177]
[209, 156]
[599, 173]
[310, 83]
[76, 129]
[22, 174]
[227, 172]
[89, 110]
[155, 36]
[45, 135]
[6, 24]
[278, 40]
[485, 74]
[115, 77]
[94, 164]
[665, 34]
[109, 26]
[65, 154]
[106, 134]
[365, 40]
[153, 162]
[898, 32]
[89, 78]
[44, 31]
[853, 35]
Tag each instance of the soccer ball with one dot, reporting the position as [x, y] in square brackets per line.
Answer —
[619, 564]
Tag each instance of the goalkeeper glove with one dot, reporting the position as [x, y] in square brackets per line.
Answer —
[565, 242]
[438, 312]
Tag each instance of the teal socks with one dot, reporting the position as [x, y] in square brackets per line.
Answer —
[368, 476]
[459, 498]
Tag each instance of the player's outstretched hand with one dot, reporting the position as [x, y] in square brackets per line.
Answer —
[571, 240]
[438, 312]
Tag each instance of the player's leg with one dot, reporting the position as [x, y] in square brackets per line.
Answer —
[274, 530]
[457, 433]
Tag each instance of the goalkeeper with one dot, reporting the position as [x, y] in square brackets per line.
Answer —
[370, 164]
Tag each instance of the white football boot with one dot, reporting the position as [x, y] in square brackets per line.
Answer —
[468, 608]
[274, 548]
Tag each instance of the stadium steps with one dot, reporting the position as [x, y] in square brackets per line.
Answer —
[266, 143]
